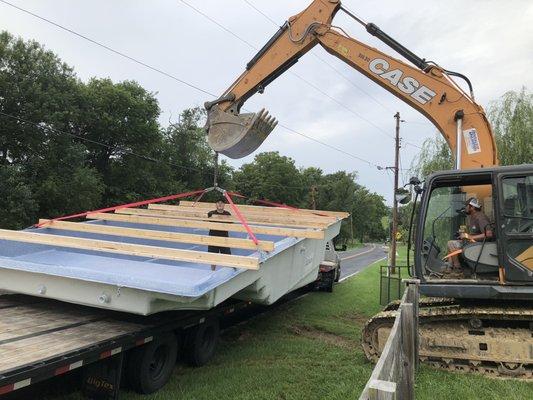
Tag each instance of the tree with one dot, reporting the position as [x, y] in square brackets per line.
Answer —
[185, 144]
[35, 85]
[18, 206]
[368, 210]
[512, 120]
[434, 156]
[40, 96]
[270, 176]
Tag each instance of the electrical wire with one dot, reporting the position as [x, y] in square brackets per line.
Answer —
[119, 53]
[158, 70]
[95, 142]
[306, 81]
[331, 66]
[342, 76]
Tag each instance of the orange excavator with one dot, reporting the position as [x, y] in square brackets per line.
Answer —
[481, 320]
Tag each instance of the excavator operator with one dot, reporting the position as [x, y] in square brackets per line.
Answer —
[478, 225]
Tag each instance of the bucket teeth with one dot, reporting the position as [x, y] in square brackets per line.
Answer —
[236, 136]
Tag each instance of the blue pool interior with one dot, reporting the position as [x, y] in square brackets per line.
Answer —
[157, 275]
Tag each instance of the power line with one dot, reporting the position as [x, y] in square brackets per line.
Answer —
[95, 142]
[155, 69]
[330, 146]
[306, 81]
[262, 13]
[331, 66]
[121, 54]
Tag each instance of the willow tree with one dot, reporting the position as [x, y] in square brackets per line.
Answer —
[511, 117]
[512, 120]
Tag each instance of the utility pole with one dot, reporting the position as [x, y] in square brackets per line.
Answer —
[313, 197]
[395, 202]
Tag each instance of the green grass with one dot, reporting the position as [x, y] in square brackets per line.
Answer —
[310, 349]
[354, 245]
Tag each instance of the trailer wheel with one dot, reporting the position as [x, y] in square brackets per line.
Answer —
[337, 273]
[201, 342]
[149, 367]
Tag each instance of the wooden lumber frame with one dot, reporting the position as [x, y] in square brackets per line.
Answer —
[202, 216]
[257, 215]
[132, 249]
[159, 235]
[267, 230]
[245, 207]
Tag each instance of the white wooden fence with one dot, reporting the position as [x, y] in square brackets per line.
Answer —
[393, 376]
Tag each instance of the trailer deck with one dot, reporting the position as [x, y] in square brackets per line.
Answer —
[40, 338]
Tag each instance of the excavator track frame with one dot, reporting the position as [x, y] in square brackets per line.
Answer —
[479, 337]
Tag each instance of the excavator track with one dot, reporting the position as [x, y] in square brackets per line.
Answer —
[485, 338]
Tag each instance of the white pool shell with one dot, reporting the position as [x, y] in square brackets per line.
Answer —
[142, 285]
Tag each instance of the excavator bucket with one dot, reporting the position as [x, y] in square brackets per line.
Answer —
[236, 136]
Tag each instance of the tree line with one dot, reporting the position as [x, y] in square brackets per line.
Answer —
[68, 146]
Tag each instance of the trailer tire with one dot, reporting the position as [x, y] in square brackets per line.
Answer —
[201, 342]
[337, 273]
[149, 367]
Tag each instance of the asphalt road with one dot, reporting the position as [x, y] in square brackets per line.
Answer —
[353, 261]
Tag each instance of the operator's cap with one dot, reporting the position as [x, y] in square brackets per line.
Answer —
[472, 201]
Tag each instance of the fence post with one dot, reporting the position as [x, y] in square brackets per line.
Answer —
[407, 352]
[382, 390]
[413, 297]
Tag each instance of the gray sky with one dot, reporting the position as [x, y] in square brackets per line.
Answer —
[490, 41]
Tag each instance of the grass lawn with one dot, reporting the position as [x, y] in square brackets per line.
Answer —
[310, 349]
[354, 245]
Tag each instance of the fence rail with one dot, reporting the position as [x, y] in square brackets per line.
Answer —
[393, 376]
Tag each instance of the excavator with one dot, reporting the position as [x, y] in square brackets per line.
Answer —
[481, 321]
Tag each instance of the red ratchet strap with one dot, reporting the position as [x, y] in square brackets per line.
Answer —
[241, 218]
[237, 195]
[136, 204]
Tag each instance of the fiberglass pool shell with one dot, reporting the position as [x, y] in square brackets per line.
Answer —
[144, 285]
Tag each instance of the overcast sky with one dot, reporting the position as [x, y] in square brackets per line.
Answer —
[490, 41]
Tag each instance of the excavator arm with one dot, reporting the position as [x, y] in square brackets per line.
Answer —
[426, 87]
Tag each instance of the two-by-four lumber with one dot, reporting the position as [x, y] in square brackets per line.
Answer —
[220, 226]
[256, 215]
[340, 214]
[132, 249]
[160, 235]
[202, 216]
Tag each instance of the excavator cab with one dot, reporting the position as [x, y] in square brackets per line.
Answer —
[490, 266]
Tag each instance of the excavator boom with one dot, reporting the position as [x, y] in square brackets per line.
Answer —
[424, 86]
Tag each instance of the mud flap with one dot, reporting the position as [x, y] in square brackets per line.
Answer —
[101, 380]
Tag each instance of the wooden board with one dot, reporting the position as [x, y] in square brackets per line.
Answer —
[159, 235]
[132, 249]
[202, 216]
[25, 320]
[249, 214]
[283, 211]
[267, 230]
[37, 348]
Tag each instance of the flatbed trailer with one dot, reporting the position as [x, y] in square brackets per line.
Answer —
[41, 339]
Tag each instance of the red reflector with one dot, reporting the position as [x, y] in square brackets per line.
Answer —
[105, 354]
[62, 370]
[7, 389]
